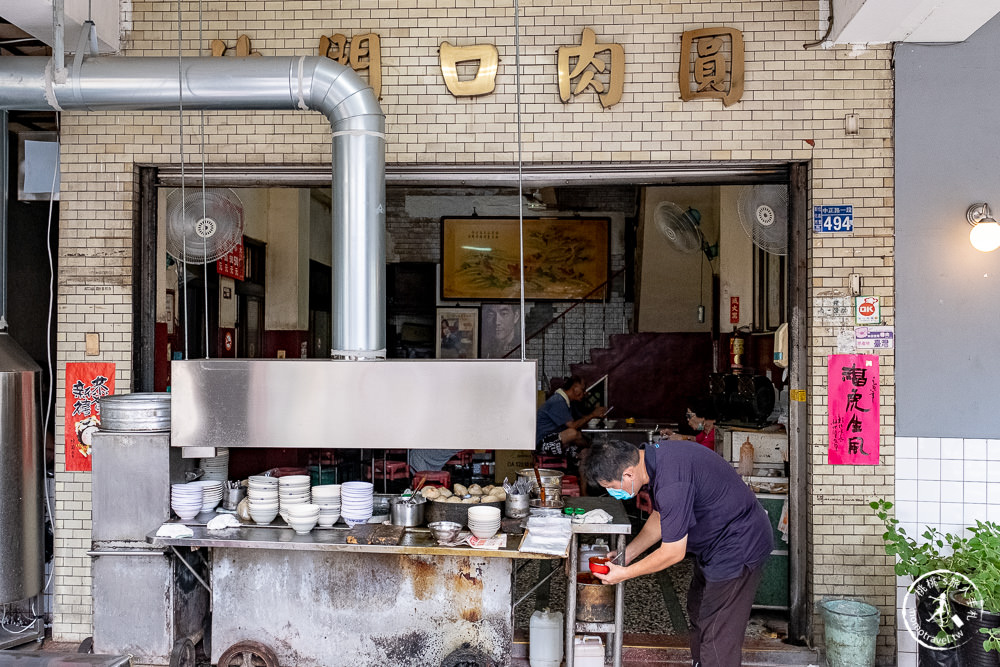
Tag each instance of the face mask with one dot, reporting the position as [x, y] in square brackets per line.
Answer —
[622, 494]
[700, 426]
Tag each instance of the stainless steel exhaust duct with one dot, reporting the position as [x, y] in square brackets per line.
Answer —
[320, 84]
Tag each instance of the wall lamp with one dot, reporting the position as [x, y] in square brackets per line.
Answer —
[985, 234]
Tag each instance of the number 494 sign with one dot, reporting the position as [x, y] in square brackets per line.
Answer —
[833, 218]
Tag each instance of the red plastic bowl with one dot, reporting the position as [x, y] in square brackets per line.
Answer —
[598, 565]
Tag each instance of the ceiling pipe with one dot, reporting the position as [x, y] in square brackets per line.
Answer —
[259, 83]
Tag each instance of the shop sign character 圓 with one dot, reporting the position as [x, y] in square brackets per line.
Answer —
[705, 75]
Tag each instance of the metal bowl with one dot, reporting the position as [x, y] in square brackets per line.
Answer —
[445, 531]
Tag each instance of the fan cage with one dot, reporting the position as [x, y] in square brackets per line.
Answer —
[203, 226]
[763, 213]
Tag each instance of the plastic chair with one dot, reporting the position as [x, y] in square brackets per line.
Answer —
[389, 470]
[545, 461]
[570, 486]
[462, 458]
[439, 477]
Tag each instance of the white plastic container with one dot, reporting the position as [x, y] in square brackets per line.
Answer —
[588, 651]
[598, 548]
[545, 636]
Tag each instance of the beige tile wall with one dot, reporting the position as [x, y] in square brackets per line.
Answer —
[793, 109]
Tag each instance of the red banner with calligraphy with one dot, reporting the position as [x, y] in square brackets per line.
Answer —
[853, 408]
[85, 384]
[232, 264]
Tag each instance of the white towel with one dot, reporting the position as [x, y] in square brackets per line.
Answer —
[223, 521]
[174, 530]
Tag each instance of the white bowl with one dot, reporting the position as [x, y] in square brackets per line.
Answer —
[302, 526]
[263, 479]
[483, 534]
[484, 512]
[263, 517]
[327, 520]
[303, 510]
[294, 479]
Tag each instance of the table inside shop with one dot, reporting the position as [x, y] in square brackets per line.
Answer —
[637, 433]
[318, 601]
[620, 526]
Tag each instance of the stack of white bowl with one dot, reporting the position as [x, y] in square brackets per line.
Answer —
[216, 467]
[302, 517]
[211, 492]
[186, 500]
[292, 490]
[327, 497]
[263, 495]
[357, 501]
[484, 521]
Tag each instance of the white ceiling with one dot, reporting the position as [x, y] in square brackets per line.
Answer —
[882, 21]
[35, 18]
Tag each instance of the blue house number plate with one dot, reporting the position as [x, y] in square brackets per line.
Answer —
[833, 218]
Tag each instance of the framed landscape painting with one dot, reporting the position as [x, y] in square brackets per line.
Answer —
[564, 258]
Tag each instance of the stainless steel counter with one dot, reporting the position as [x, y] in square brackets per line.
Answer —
[416, 541]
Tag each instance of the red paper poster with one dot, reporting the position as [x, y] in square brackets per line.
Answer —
[232, 264]
[853, 408]
[85, 384]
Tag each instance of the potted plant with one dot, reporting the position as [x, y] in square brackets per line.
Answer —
[977, 595]
[916, 559]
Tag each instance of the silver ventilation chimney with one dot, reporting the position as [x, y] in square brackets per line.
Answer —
[357, 122]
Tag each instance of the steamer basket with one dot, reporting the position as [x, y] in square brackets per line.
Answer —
[551, 480]
[143, 411]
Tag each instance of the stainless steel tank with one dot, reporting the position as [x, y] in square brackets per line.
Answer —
[21, 475]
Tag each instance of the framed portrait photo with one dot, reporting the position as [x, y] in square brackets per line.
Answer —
[564, 258]
[457, 333]
[500, 330]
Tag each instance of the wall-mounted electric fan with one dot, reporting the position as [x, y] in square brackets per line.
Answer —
[763, 211]
[203, 225]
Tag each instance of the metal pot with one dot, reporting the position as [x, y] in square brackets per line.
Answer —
[551, 481]
[143, 411]
[403, 513]
[516, 506]
[595, 603]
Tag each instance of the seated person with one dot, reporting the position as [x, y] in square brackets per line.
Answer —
[429, 459]
[700, 417]
[557, 429]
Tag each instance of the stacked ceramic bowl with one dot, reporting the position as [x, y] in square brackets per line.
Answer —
[262, 493]
[484, 522]
[211, 493]
[292, 490]
[327, 498]
[357, 500]
[216, 467]
[186, 500]
[302, 517]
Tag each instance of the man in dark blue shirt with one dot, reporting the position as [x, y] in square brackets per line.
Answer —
[556, 427]
[701, 506]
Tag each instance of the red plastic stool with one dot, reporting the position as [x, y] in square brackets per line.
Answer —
[544, 461]
[392, 470]
[462, 458]
[570, 486]
[439, 477]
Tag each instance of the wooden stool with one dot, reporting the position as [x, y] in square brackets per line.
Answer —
[439, 477]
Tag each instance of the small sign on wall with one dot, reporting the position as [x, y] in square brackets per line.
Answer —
[867, 310]
[734, 310]
[86, 383]
[835, 219]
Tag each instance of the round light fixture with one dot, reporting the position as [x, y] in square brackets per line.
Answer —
[985, 234]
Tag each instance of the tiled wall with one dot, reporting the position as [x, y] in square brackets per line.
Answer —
[948, 484]
[793, 110]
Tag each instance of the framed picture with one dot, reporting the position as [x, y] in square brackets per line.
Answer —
[456, 333]
[564, 258]
[500, 330]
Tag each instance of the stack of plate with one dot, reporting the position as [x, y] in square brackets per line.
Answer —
[484, 522]
[211, 493]
[357, 502]
[186, 500]
[327, 497]
[292, 490]
[263, 496]
[216, 467]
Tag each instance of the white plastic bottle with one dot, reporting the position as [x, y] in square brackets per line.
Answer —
[545, 636]
[598, 548]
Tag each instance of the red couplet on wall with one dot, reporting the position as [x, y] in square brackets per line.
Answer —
[853, 403]
[734, 310]
[86, 383]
